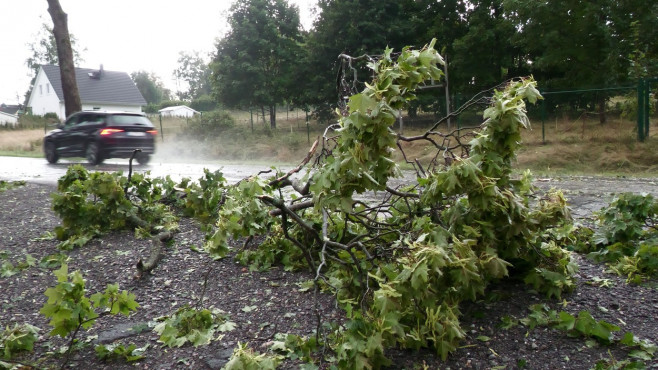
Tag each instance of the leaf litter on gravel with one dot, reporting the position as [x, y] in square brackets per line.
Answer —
[261, 304]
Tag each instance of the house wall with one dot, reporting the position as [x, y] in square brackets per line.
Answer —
[43, 98]
[8, 119]
[179, 112]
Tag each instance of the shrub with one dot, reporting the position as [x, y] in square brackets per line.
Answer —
[203, 103]
[208, 125]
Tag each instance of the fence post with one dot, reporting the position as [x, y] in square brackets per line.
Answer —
[458, 102]
[161, 129]
[647, 107]
[308, 130]
[640, 109]
[543, 120]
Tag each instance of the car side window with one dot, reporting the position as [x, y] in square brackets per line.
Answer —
[91, 119]
[72, 121]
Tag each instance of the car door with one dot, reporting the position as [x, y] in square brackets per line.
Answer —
[64, 140]
[87, 129]
[82, 132]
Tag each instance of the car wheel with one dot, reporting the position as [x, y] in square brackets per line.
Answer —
[93, 154]
[51, 152]
[143, 158]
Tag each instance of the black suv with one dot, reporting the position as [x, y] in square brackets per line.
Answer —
[99, 135]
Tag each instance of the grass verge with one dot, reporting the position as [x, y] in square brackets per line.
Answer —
[581, 146]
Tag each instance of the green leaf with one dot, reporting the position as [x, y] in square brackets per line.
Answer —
[640, 354]
[567, 321]
[362, 103]
[420, 276]
[227, 326]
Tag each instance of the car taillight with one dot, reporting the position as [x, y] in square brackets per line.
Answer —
[110, 131]
[153, 132]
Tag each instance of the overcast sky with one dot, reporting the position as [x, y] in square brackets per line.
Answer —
[123, 35]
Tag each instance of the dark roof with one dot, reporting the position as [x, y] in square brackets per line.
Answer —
[112, 87]
[10, 109]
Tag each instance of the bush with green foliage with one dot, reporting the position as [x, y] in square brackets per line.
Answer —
[204, 103]
[401, 266]
[208, 125]
[92, 203]
[626, 236]
[152, 108]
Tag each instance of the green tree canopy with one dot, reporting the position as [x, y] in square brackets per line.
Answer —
[567, 43]
[484, 56]
[578, 45]
[255, 62]
[151, 87]
[354, 28]
[194, 72]
[43, 50]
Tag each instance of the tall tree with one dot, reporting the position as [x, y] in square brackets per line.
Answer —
[72, 102]
[446, 21]
[574, 45]
[354, 28]
[256, 61]
[634, 25]
[483, 57]
[151, 87]
[195, 73]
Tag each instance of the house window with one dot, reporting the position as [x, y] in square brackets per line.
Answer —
[41, 89]
[47, 88]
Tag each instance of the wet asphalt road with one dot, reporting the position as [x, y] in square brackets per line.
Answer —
[585, 194]
[38, 170]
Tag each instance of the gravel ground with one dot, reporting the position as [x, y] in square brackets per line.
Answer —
[262, 304]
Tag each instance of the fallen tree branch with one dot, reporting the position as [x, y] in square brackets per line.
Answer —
[284, 180]
[157, 242]
[294, 207]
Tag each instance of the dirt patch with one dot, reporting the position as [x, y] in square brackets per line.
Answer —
[276, 304]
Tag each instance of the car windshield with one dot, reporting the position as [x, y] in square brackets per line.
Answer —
[129, 120]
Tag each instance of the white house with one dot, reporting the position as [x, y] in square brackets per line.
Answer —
[99, 90]
[178, 111]
[7, 119]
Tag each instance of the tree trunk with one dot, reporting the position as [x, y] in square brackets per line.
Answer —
[602, 115]
[273, 116]
[65, 56]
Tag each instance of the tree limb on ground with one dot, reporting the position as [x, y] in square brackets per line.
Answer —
[157, 243]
